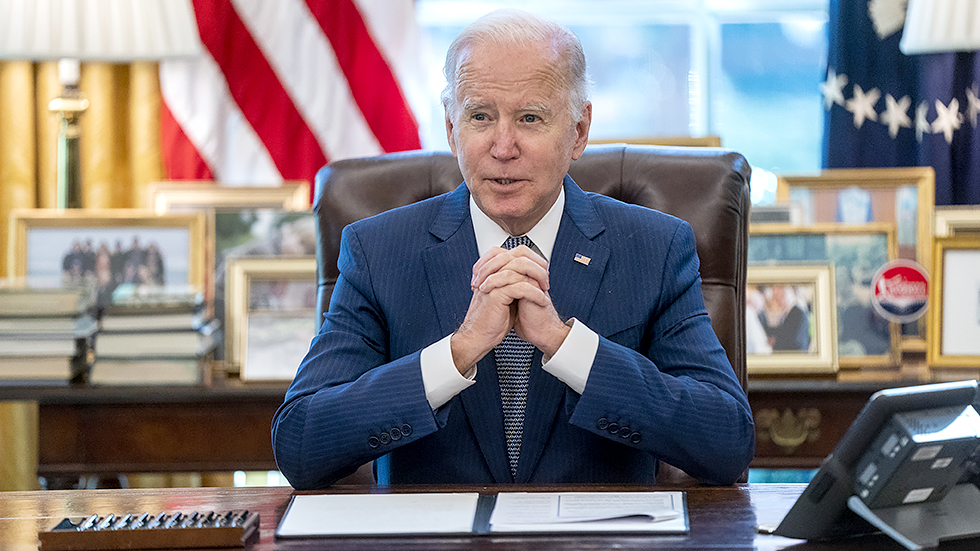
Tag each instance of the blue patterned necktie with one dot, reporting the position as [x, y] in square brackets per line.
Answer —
[513, 357]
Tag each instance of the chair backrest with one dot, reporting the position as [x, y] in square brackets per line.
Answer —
[707, 187]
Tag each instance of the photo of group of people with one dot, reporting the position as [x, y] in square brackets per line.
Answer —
[779, 319]
[106, 269]
[105, 258]
[135, 264]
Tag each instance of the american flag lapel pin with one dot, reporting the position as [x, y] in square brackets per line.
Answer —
[582, 259]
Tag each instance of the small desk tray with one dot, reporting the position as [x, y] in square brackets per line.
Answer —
[170, 530]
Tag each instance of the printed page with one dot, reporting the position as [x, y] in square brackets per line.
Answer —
[589, 511]
[374, 514]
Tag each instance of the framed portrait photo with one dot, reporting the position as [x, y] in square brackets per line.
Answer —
[271, 312]
[864, 338]
[954, 297]
[107, 248]
[791, 320]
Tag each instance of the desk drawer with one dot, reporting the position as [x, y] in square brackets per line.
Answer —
[797, 428]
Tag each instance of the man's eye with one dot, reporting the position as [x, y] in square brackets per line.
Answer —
[480, 117]
[530, 118]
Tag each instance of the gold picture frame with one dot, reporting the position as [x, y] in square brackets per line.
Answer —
[883, 186]
[271, 326]
[864, 338]
[184, 196]
[222, 204]
[954, 321]
[42, 247]
[804, 339]
[950, 220]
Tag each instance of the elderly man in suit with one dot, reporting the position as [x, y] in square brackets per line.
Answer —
[517, 329]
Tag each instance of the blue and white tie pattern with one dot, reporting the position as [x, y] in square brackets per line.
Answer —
[513, 357]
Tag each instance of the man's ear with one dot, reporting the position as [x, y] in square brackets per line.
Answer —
[582, 130]
[450, 134]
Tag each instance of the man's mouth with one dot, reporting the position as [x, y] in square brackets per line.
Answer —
[504, 181]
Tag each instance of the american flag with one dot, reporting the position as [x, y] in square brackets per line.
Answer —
[286, 86]
[885, 108]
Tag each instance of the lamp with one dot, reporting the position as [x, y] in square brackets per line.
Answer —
[72, 31]
[941, 26]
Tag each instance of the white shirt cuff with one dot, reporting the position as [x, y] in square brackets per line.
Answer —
[440, 378]
[572, 362]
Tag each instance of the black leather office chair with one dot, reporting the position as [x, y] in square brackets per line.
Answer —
[707, 187]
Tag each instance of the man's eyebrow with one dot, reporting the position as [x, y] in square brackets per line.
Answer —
[535, 108]
[476, 106]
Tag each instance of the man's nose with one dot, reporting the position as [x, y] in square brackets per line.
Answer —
[504, 145]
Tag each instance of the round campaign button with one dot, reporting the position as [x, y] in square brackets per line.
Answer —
[901, 291]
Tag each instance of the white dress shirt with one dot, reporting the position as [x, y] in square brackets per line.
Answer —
[570, 364]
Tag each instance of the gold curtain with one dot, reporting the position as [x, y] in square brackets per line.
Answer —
[120, 156]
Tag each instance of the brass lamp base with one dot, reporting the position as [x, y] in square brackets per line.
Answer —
[69, 108]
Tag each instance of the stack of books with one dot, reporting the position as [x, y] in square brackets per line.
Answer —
[154, 335]
[45, 334]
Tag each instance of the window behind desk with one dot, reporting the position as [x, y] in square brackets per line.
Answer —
[749, 73]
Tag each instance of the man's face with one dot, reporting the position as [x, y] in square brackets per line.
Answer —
[513, 134]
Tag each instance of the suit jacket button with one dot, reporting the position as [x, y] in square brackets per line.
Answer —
[396, 433]
[406, 429]
[625, 432]
[602, 423]
[385, 438]
[374, 442]
[635, 438]
[613, 428]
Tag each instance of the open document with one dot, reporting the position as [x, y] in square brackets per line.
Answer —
[310, 516]
[589, 512]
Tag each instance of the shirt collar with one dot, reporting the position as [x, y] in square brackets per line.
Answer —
[543, 234]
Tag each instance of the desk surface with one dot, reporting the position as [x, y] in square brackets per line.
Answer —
[720, 518]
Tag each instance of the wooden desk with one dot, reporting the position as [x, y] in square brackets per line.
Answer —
[720, 518]
[226, 427]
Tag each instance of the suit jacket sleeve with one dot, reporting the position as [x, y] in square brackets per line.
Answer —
[350, 402]
[667, 378]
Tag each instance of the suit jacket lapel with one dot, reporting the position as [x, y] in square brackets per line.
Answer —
[449, 265]
[575, 283]
[574, 286]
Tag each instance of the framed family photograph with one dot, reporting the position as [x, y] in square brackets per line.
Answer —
[864, 338]
[241, 221]
[791, 320]
[106, 248]
[904, 196]
[247, 233]
[954, 315]
[271, 310]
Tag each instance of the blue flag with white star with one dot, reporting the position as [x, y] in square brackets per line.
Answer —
[885, 108]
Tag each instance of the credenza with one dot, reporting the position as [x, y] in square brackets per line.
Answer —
[226, 426]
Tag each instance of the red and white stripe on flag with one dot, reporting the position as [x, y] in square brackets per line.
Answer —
[286, 86]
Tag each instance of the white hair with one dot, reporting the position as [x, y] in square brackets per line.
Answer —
[516, 27]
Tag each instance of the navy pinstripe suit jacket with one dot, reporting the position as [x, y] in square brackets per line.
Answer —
[660, 387]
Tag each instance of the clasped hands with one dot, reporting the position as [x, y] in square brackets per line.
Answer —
[510, 291]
